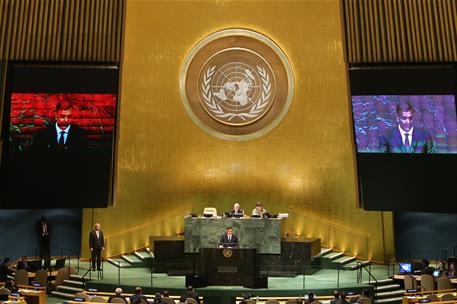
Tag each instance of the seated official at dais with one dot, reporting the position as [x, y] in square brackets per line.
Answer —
[258, 210]
[236, 211]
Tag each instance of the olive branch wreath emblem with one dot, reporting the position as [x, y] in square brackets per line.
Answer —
[254, 111]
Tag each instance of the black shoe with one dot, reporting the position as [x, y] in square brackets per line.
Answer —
[99, 269]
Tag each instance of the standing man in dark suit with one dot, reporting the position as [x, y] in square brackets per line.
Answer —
[406, 138]
[44, 230]
[96, 244]
[228, 239]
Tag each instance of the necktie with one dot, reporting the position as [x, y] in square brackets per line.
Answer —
[62, 138]
[229, 238]
[407, 143]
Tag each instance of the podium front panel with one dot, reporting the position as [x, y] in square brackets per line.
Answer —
[224, 266]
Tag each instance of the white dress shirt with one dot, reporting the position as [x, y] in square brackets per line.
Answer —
[403, 136]
[65, 135]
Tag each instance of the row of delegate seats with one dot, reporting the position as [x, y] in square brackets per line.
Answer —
[440, 296]
[427, 283]
[21, 277]
[102, 297]
[294, 300]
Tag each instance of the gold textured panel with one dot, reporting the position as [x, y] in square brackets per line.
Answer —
[401, 30]
[61, 30]
[167, 166]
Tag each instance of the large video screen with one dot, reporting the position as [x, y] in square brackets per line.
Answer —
[405, 124]
[405, 135]
[58, 136]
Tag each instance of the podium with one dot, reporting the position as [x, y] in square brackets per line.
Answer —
[229, 267]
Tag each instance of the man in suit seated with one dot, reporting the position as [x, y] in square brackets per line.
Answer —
[117, 295]
[138, 296]
[22, 264]
[189, 293]
[236, 211]
[258, 210]
[228, 239]
[405, 137]
[426, 268]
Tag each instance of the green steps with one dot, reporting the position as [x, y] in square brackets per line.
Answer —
[119, 262]
[345, 260]
[143, 255]
[135, 261]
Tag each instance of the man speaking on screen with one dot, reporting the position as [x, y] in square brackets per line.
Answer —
[405, 137]
[63, 135]
[59, 158]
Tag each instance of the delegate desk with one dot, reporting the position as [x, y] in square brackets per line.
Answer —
[260, 233]
[229, 266]
[32, 296]
[418, 278]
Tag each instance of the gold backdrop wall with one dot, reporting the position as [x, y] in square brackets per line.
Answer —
[167, 166]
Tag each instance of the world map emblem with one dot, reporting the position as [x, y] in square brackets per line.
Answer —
[236, 84]
[238, 92]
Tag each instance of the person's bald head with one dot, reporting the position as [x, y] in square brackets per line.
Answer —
[97, 226]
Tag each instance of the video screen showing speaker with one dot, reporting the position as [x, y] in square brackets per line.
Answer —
[405, 124]
[405, 135]
[58, 135]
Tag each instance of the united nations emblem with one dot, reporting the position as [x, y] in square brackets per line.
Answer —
[236, 84]
[227, 253]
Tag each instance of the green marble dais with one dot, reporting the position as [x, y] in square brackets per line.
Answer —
[263, 234]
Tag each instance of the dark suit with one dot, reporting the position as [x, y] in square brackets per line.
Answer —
[225, 242]
[428, 270]
[47, 140]
[96, 244]
[391, 142]
[62, 169]
[4, 272]
[44, 231]
[135, 299]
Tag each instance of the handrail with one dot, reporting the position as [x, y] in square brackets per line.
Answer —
[89, 271]
[361, 267]
[391, 258]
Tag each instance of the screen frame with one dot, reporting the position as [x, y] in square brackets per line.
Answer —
[426, 79]
[5, 119]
